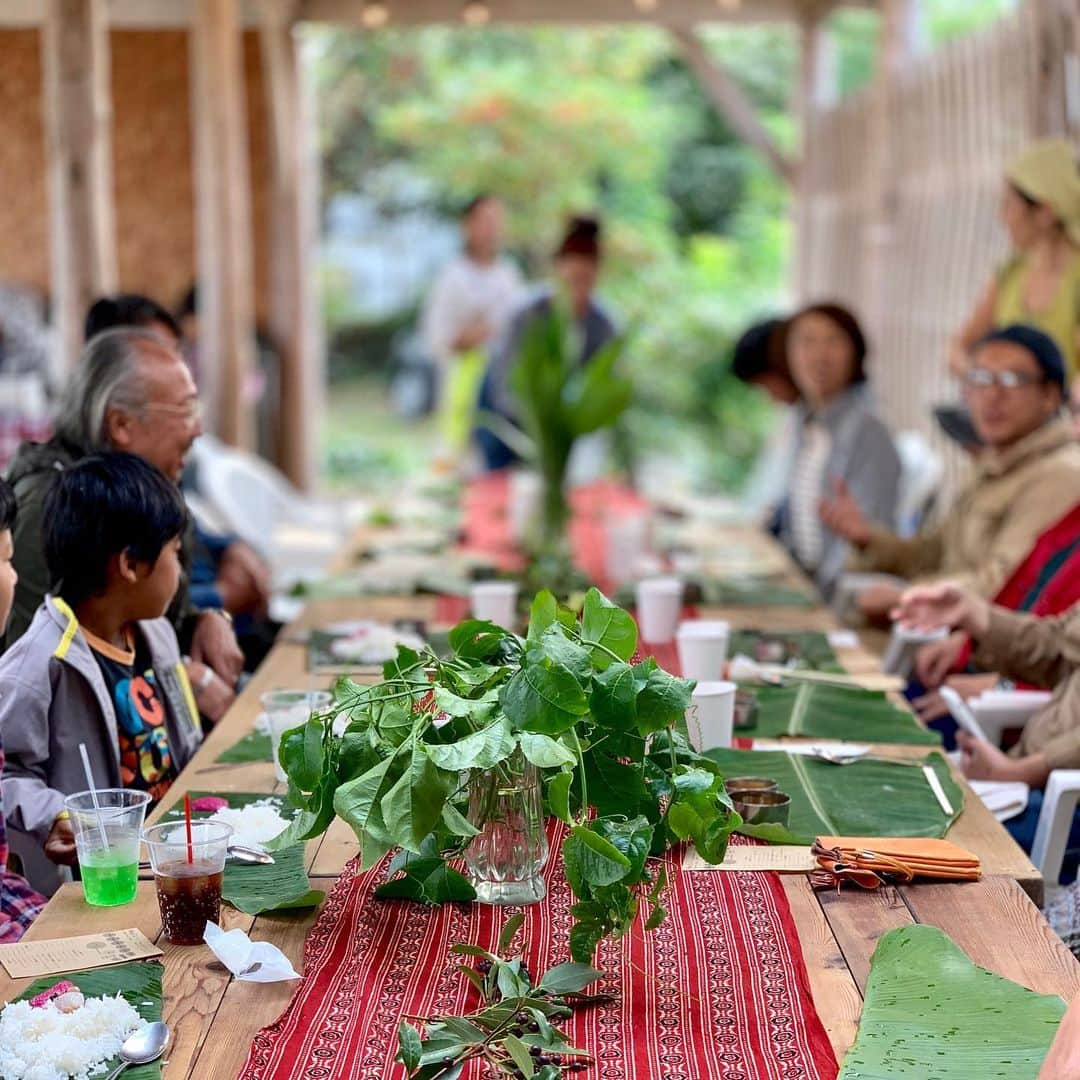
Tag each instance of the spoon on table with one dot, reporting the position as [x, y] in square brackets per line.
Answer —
[145, 1045]
[241, 854]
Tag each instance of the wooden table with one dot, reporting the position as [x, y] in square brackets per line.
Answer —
[214, 1017]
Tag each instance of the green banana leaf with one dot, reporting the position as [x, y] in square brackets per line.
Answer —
[254, 889]
[801, 648]
[255, 746]
[869, 798]
[930, 1013]
[752, 592]
[819, 711]
[140, 984]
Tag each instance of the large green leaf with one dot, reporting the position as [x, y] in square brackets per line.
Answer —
[256, 888]
[819, 711]
[608, 625]
[930, 1013]
[806, 648]
[413, 806]
[868, 798]
[544, 697]
[480, 750]
[140, 984]
[753, 592]
[255, 746]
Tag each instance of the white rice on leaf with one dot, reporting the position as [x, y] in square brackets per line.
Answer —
[46, 1044]
[253, 825]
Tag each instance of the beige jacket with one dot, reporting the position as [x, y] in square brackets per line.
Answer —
[1012, 499]
[1045, 652]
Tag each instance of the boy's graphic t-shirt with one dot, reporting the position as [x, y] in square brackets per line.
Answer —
[146, 763]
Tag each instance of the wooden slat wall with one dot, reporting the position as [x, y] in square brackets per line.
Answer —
[956, 116]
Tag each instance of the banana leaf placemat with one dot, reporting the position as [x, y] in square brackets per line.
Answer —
[254, 889]
[820, 711]
[140, 984]
[752, 592]
[255, 746]
[871, 797]
[799, 648]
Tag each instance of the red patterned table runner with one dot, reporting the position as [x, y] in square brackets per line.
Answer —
[720, 990]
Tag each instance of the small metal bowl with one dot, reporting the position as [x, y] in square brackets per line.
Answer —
[750, 783]
[763, 807]
[746, 710]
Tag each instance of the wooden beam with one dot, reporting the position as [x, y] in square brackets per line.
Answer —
[78, 123]
[728, 97]
[293, 209]
[223, 214]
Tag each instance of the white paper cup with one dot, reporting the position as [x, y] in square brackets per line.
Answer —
[495, 601]
[523, 501]
[710, 719]
[627, 540]
[702, 645]
[288, 709]
[659, 601]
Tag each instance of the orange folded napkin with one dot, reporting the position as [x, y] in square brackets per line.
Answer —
[871, 861]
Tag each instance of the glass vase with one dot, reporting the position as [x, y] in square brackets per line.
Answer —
[505, 860]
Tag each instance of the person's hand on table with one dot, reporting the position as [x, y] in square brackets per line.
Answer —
[842, 514]
[981, 760]
[1063, 1060]
[930, 607]
[214, 643]
[875, 602]
[60, 843]
[213, 698]
[931, 706]
[934, 661]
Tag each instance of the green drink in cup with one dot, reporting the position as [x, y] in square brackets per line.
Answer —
[107, 825]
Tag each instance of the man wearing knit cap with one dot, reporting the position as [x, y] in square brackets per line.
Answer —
[1026, 477]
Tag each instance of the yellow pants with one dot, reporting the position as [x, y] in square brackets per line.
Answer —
[460, 390]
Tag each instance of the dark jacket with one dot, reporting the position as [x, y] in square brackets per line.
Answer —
[31, 474]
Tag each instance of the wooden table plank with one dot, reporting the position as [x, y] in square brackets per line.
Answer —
[857, 918]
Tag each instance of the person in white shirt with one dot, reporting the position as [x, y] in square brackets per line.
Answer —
[468, 306]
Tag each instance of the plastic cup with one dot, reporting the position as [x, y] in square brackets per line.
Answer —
[288, 709]
[523, 501]
[711, 716]
[188, 881]
[702, 645]
[659, 601]
[107, 842]
[627, 540]
[495, 601]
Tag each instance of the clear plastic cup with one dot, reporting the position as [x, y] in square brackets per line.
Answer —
[710, 720]
[702, 645]
[288, 709]
[659, 601]
[107, 842]
[495, 601]
[188, 879]
[627, 541]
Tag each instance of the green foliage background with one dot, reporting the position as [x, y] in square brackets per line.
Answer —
[556, 120]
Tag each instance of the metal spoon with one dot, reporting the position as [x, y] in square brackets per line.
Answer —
[240, 854]
[146, 1045]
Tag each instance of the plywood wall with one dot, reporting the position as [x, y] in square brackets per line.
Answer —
[152, 154]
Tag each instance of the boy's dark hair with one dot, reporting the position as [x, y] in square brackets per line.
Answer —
[105, 505]
[127, 309]
[760, 352]
[7, 506]
[477, 201]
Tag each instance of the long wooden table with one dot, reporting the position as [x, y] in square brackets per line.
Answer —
[214, 1017]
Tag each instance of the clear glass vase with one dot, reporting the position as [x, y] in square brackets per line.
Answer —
[505, 861]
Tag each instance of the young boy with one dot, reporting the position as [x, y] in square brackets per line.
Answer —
[19, 903]
[99, 664]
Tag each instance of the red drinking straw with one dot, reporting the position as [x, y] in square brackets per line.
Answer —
[187, 822]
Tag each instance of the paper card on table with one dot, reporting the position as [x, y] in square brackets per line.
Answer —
[28, 959]
[782, 858]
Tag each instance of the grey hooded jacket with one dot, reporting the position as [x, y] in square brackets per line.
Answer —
[53, 697]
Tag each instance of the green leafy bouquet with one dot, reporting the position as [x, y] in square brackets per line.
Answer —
[608, 737]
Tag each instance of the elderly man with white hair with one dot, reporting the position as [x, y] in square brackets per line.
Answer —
[131, 391]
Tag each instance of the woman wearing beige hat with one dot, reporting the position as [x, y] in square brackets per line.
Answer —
[1040, 282]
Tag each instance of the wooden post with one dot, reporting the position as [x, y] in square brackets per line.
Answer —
[223, 230]
[293, 316]
[815, 89]
[78, 123]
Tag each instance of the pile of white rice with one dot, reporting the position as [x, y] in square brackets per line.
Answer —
[255, 824]
[46, 1044]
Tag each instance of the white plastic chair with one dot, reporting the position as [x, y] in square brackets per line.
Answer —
[1055, 822]
[921, 473]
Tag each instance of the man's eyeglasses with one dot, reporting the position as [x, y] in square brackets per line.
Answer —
[983, 379]
[191, 412]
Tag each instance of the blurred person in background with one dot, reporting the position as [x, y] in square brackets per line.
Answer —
[466, 309]
[841, 443]
[577, 262]
[1027, 472]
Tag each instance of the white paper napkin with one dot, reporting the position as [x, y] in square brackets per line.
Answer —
[252, 961]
